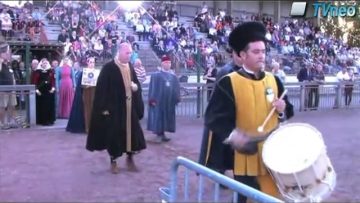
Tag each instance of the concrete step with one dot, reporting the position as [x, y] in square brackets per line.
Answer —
[186, 19]
[127, 31]
[125, 28]
[148, 52]
[149, 62]
[145, 51]
[54, 29]
[52, 36]
[121, 24]
[144, 45]
[149, 59]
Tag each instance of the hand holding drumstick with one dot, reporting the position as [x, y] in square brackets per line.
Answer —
[241, 141]
[278, 105]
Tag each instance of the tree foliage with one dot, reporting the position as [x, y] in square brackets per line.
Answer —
[332, 26]
[354, 33]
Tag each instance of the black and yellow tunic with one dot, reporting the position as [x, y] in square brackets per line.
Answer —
[240, 100]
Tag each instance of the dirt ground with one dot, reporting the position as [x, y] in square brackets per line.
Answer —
[50, 165]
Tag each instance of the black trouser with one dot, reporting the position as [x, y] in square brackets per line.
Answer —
[209, 92]
[140, 35]
[247, 180]
[348, 94]
[313, 97]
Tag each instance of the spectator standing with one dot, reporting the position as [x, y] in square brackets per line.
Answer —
[278, 72]
[140, 70]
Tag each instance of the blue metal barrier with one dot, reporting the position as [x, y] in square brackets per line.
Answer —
[26, 92]
[170, 194]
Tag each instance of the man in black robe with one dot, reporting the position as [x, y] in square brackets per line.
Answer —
[117, 109]
[241, 100]
[213, 153]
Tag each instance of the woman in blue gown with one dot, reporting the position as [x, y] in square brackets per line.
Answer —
[76, 123]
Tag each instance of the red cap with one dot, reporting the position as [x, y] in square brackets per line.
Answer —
[165, 58]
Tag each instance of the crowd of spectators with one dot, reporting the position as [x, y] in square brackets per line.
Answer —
[22, 23]
[87, 31]
[294, 41]
[160, 24]
[300, 39]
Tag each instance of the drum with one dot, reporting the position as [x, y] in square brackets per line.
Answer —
[295, 155]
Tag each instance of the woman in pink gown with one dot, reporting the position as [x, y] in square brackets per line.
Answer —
[65, 79]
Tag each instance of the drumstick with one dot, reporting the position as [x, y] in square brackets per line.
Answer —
[261, 128]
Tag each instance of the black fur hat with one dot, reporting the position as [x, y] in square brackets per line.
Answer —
[245, 33]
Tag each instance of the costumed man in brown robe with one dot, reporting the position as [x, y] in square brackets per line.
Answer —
[88, 96]
[118, 106]
[240, 103]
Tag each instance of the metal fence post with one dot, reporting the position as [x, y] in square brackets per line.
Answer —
[32, 107]
[204, 89]
[27, 63]
[337, 89]
[339, 94]
[198, 102]
[302, 96]
[173, 181]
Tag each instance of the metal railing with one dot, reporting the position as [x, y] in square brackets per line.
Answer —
[303, 96]
[171, 194]
[194, 97]
[191, 103]
[25, 109]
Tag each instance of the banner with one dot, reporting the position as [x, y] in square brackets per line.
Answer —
[90, 76]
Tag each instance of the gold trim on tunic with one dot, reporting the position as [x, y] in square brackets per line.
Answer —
[126, 75]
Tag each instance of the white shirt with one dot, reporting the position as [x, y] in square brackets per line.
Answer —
[140, 27]
[248, 71]
[6, 24]
[268, 36]
[98, 47]
[342, 76]
[67, 47]
[102, 33]
[94, 39]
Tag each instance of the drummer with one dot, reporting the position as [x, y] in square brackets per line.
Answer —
[243, 99]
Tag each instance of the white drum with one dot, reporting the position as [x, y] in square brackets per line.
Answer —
[295, 155]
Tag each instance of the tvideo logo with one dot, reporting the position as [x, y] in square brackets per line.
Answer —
[324, 9]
